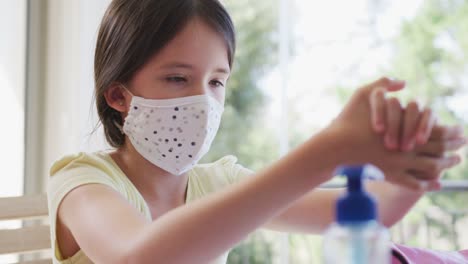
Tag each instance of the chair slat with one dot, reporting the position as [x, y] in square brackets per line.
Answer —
[41, 261]
[23, 207]
[25, 239]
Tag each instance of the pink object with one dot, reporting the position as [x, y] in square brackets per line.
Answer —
[414, 255]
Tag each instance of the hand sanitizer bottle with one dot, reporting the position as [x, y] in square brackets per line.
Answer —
[356, 237]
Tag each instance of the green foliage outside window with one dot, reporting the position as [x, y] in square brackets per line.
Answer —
[430, 53]
[242, 132]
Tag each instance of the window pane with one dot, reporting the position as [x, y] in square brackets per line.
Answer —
[12, 106]
[246, 130]
[12, 83]
[338, 45]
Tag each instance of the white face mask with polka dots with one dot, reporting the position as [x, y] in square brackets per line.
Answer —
[173, 134]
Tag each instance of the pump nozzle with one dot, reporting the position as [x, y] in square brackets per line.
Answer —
[356, 205]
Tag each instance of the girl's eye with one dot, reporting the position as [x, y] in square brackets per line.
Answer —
[217, 83]
[176, 79]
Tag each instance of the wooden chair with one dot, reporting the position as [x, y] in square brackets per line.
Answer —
[29, 238]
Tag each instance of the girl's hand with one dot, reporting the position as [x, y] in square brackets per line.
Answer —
[360, 144]
[408, 128]
[403, 128]
[442, 140]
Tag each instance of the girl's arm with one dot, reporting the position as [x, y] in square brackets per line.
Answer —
[315, 211]
[109, 230]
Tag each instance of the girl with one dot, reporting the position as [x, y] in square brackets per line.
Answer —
[161, 67]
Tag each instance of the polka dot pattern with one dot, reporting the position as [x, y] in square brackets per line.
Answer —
[173, 134]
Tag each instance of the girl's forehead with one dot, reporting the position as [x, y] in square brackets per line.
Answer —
[196, 44]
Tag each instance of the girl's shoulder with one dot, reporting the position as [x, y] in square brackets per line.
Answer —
[82, 168]
[225, 169]
[72, 171]
[82, 160]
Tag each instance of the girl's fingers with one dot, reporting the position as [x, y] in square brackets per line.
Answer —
[376, 92]
[439, 148]
[426, 123]
[426, 182]
[386, 83]
[430, 166]
[409, 181]
[377, 103]
[410, 125]
[423, 176]
[446, 132]
[419, 181]
[393, 115]
[434, 185]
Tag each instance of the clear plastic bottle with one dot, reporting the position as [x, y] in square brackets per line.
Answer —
[356, 237]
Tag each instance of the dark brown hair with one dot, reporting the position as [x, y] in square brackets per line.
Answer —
[132, 31]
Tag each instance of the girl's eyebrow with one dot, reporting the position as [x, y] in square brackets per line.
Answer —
[175, 65]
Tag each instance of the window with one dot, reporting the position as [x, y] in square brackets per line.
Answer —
[13, 22]
[317, 53]
[12, 81]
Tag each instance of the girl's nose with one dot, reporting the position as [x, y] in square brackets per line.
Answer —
[200, 89]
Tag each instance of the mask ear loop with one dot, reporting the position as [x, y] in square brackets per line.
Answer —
[126, 89]
[119, 126]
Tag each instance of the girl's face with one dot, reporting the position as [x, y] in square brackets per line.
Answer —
[195, 62]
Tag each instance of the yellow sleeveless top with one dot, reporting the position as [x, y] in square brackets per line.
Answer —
[86, 168]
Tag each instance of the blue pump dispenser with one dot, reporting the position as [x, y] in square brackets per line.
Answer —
[356, 205]
[356, 237]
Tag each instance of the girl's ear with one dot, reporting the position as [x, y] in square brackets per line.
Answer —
[117, 98]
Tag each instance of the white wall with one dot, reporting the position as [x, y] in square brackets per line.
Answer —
[69, 113]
